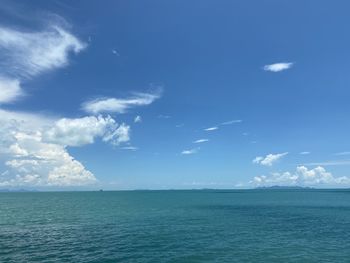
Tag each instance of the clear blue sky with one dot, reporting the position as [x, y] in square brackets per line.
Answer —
[271, 76]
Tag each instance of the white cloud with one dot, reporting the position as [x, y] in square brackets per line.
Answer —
[317, 177]
[330, 163]
[277, 67]
[161, 116]
[115, 52]
[201, 141]
[138, 119]
[70, 173]
[211, 128]
[118, 136]
[231, 122]
[81, 131]
[131, 148]
[35, 147]
[10, 90]
[304, 153]
[25, 54]
[269, 159]
[191, 151]
[33, 162]
[120, 105]
[342, 153]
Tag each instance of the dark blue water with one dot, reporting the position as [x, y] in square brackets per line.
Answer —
[176, 226]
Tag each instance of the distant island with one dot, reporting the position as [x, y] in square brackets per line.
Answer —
[17, 190]
[281, 187]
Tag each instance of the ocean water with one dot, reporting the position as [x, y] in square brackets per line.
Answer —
[176, 226]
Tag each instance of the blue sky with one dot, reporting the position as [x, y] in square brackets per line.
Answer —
[120, 95]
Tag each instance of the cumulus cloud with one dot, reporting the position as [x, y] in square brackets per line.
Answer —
[277, 67]
[35, 147]
[116, 105]
[191, 151]
[211, 128]
[316, 177]
[80, 131]
[201, 140]
[118, 135]
[32, 161]
[269, 159]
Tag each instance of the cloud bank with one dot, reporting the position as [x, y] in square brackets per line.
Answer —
[316, 177]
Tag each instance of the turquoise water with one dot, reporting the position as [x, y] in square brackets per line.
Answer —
[176, 226]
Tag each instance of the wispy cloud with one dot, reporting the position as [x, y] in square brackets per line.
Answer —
[231, 122]
[115, 52]
[191, 151]
[161, 116]
[304, 153]
[25, 54]
[330, 163]
[269, 159]
[223, 123]
[211, 128]
[130, 148]
[277, 67]
[201, 141]
[10, 90]
[138, 119]
[116, 105]
[342, 153]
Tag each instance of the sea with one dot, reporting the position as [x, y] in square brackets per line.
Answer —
[260, 225]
